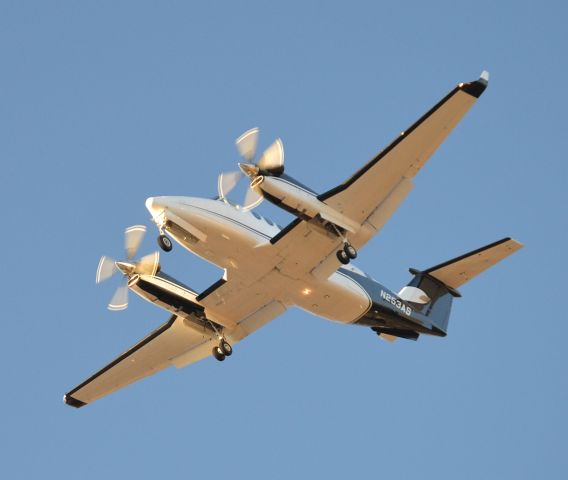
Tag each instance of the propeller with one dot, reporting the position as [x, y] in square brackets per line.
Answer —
[147, 265]
[270, 163]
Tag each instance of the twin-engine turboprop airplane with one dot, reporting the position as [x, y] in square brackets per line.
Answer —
[306, 264]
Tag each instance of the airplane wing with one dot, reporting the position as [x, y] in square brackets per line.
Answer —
[177, 342]
[152, 354]
[374, 193]
[359, 196]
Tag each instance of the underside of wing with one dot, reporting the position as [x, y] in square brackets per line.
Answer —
[359, 196]
[179, 342]
[239, 295]
[302, 247]
[152, 354]
[372, 195]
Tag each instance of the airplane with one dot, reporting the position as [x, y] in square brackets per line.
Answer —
[307, 264]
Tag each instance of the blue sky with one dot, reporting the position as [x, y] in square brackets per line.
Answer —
[103, 104]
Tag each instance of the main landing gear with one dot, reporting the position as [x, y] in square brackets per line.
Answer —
[222, 350]
[165, 243]
[347, 254]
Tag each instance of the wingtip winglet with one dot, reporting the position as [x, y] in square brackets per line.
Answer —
[477, 87]
[73, 402]
[516, 244]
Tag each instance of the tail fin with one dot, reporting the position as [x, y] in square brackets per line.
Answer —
[432, 290]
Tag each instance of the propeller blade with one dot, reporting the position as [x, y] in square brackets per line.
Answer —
[252, 199]
[246, 144]
[120, 298]
[148, 265]
[272, 159]
[106, 269]
[132, 238]
[226, 182]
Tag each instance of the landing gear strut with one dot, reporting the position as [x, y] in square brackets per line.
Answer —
[165, 243]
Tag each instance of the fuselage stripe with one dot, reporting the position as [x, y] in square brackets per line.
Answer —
[362, 288]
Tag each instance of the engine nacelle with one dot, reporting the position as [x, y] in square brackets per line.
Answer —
[301, 202]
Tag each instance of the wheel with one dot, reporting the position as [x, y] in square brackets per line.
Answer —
[218, 353]
[226, 348]
[165, 243]
[342, 257]
[350, 251]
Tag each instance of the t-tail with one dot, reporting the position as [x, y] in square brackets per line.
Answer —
[424, 305]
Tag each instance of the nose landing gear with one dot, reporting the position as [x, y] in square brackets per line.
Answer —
[165, 243]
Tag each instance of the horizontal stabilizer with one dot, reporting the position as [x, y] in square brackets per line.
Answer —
[460, 270]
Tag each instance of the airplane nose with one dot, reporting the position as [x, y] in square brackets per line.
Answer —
[177, 210]
[158, 205]
[150, 203]
[155, 206]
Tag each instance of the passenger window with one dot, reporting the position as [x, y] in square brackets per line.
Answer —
[256, 215]
[269, 221]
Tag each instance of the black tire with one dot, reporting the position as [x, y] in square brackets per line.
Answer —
[342, 257]
[218, 353]
[226, 348]
[165, 243]
[350, 251]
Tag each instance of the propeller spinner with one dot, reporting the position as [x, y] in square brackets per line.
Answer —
[270, 163]
[147, 265]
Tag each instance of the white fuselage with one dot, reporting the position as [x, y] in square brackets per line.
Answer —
[239, 242]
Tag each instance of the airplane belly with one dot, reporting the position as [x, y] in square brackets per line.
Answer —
[339, 298]
[227, 243]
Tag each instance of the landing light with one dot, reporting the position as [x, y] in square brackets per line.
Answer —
[306, 291]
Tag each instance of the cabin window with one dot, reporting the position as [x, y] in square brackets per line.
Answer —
[256, 215]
